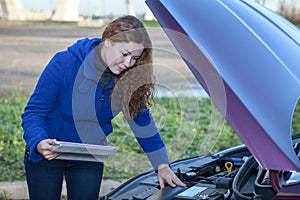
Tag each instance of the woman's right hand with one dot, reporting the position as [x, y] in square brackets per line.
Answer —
[45, 149]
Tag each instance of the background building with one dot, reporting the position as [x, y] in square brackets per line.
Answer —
[76, 10]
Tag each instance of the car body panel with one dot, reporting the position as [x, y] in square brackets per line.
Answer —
[247, 59]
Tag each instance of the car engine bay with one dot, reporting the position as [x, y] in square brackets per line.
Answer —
[231, 174]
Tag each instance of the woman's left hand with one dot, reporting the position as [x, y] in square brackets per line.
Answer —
[166, 175]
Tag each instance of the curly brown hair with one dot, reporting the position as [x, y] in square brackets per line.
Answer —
[134, 88]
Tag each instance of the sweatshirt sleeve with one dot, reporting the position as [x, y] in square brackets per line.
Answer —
[40, 105]
[149, 138]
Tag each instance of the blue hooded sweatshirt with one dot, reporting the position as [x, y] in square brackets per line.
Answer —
[69, 105]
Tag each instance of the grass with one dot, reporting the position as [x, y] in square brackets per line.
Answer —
[11, 142]
[188, 126]
[152, 23]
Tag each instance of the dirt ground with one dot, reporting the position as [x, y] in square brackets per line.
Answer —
[26, 48]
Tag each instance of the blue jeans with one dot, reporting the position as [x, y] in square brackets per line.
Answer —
[45, 178]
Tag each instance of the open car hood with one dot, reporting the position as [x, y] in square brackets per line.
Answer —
[247, 58]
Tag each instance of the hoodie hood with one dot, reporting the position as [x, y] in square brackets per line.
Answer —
[83, 47]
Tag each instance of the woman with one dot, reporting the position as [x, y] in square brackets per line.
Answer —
[78, 94]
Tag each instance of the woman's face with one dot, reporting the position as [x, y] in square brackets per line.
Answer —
[120, 56]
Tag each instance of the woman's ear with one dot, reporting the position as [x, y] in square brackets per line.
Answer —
[107, 43]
